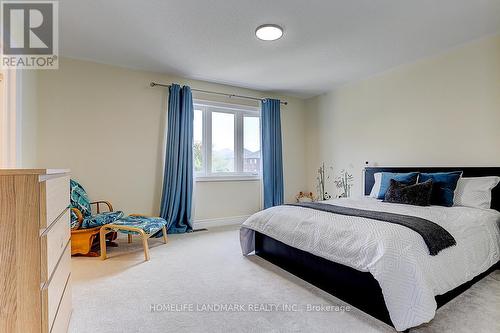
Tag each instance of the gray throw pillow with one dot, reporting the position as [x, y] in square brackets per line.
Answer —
[416, 195]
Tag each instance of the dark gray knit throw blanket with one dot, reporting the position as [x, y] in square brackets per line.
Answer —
[435, 237]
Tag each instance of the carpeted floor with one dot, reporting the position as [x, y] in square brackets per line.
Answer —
[187, 282]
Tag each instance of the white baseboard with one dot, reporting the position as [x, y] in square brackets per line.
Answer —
[219, 222]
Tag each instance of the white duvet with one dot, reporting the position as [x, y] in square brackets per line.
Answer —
[396, 256]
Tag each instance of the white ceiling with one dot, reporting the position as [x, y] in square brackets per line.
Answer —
[325, 44]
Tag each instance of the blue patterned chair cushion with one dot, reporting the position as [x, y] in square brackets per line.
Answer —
[101, 219]
[74, 219]
[79, 200]
[148, 224]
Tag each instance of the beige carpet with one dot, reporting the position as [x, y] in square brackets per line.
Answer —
[203, 269]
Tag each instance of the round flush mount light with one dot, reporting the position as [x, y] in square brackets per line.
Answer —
[269, 32]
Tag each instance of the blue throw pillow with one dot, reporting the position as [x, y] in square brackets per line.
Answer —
[443, 186]
[409, 178]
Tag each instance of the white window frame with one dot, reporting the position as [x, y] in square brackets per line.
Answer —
[239, 112]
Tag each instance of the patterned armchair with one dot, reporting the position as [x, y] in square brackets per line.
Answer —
[84, 225]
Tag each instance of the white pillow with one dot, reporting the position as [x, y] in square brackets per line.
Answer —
[475, 192]
[376, 187]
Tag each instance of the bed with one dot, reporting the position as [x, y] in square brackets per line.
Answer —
[382, 269]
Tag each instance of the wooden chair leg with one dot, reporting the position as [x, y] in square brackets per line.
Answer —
[145, 245]
[164, 230]
[144, 237]
[102, 241]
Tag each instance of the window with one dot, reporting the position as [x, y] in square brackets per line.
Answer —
[226, 141]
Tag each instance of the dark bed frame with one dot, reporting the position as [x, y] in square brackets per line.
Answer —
[360, 289]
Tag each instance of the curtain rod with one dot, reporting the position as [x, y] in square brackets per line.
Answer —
[154, 84]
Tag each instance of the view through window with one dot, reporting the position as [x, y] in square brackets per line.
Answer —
[226, 140]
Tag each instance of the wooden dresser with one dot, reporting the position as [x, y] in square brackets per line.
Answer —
[35, 259]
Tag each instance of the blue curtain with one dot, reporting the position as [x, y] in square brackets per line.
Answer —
[272, 161]
[177, 192]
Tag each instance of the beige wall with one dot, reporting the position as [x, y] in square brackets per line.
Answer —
[107, 125]
[8, 119]
[443, 110]
[18, 118]
[226, 199]
[29, 119]
[2, 125]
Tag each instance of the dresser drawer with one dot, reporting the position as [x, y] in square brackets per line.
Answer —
[63, 315]
[53, 292]
[54, 197]
[53, 243]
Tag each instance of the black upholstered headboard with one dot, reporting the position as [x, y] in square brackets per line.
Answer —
[467, 172]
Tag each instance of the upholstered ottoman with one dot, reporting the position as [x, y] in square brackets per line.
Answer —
[144, 226]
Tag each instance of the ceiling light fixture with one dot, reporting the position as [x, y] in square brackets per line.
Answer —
[269, 32]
